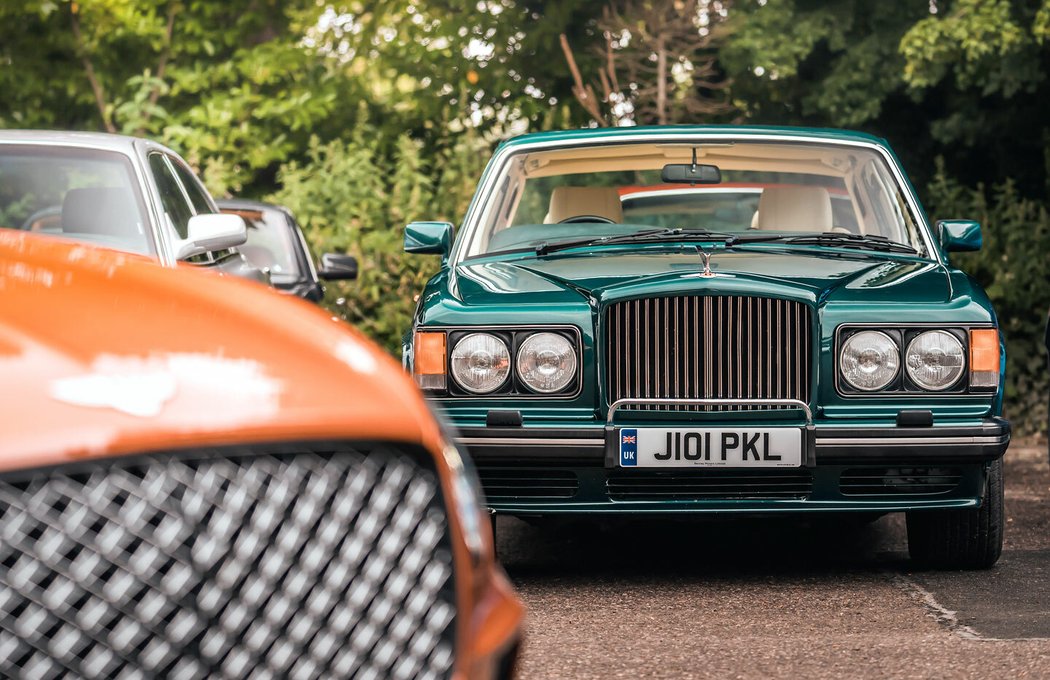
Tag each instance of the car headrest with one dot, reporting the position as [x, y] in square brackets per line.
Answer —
[795, 209]
[101, 210]
[569, 202]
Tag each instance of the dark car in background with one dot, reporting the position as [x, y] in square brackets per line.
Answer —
[276, 244]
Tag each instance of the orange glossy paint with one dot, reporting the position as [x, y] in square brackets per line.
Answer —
[105, 353]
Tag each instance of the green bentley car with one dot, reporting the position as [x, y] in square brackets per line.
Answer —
[721, 320]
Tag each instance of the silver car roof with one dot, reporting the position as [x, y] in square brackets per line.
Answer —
[92, 140]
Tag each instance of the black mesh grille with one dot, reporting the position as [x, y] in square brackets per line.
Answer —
[661, 485]
[296, 564]
[899, 481]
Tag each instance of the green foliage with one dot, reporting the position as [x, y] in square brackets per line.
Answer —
[356, 196]
[1011, 267]
[980, 40]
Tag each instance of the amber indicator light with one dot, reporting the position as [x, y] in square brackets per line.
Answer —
[984, 357]
[984, 349]
[429, 360]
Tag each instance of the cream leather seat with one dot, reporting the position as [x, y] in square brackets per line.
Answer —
[569, 202]
[794, 209]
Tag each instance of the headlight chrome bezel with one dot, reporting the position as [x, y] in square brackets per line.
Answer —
[894, 344]
[513, 337]
[508, 369]
[903, 385]
[520, 353]
[911, 373]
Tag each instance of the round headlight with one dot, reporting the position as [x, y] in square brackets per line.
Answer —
[480, 363]
[935, 360]
[546, 362]
[869, 360]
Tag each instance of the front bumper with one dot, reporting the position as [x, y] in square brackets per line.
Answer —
[530, 470]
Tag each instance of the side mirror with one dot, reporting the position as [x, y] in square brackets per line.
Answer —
[959, 235]
[429, 237]
[208, 233]
[336, 267]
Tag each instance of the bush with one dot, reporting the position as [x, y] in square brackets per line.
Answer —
[1012, 268]
[356, 196]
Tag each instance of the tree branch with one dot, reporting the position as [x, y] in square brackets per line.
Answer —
[584, 94]
[162, 65]
[89, 69]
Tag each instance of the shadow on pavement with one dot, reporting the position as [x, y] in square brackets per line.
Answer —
[656, 546]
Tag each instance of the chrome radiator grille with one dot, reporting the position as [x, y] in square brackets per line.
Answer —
[302, 563]
[708, 347]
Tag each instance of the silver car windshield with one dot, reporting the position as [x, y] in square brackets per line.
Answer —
[763, 188]
[83, 194]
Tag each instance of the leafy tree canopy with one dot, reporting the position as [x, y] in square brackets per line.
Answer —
[964, 80]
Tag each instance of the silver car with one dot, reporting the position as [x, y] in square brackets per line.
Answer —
[121, 192]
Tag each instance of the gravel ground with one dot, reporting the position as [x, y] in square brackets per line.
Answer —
[762, 598]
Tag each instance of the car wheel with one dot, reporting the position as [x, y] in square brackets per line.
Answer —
[961, 539]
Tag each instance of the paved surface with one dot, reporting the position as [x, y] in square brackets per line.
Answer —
[756, 599]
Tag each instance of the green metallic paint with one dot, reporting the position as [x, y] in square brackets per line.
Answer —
[844, 286]
[957, 236]
[429, 238]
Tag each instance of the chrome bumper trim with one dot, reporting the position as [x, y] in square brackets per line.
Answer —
[793, 403]
[528, 441]
[909, 441]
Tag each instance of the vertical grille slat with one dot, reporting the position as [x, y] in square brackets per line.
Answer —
[694, 347]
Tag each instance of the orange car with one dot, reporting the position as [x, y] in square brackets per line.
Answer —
[198, 478]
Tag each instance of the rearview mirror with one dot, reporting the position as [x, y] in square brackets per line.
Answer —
[691, 173]
[429, 237]
[336, 267]
[959, 235]
[208, 233]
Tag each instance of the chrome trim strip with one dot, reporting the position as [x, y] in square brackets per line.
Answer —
[909, 441]
[526, 441]
[795, 403]
[881, 442]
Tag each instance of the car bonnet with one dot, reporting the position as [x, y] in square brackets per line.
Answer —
[104, 353]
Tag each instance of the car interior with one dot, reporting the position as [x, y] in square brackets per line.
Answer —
[804, 188]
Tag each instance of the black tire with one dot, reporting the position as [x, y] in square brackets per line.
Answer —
[961, 539]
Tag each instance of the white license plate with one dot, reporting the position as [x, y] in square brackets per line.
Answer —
[728, 447]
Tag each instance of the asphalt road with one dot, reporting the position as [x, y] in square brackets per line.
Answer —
[758, 599]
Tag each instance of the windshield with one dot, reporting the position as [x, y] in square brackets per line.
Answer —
[764, 188]
[82, 194]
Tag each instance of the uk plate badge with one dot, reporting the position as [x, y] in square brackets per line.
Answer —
[628, 448]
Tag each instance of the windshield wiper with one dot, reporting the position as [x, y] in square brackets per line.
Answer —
[675, 234]
[827, 238]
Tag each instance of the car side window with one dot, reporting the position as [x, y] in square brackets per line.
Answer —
[171, 194]
[199, 199]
